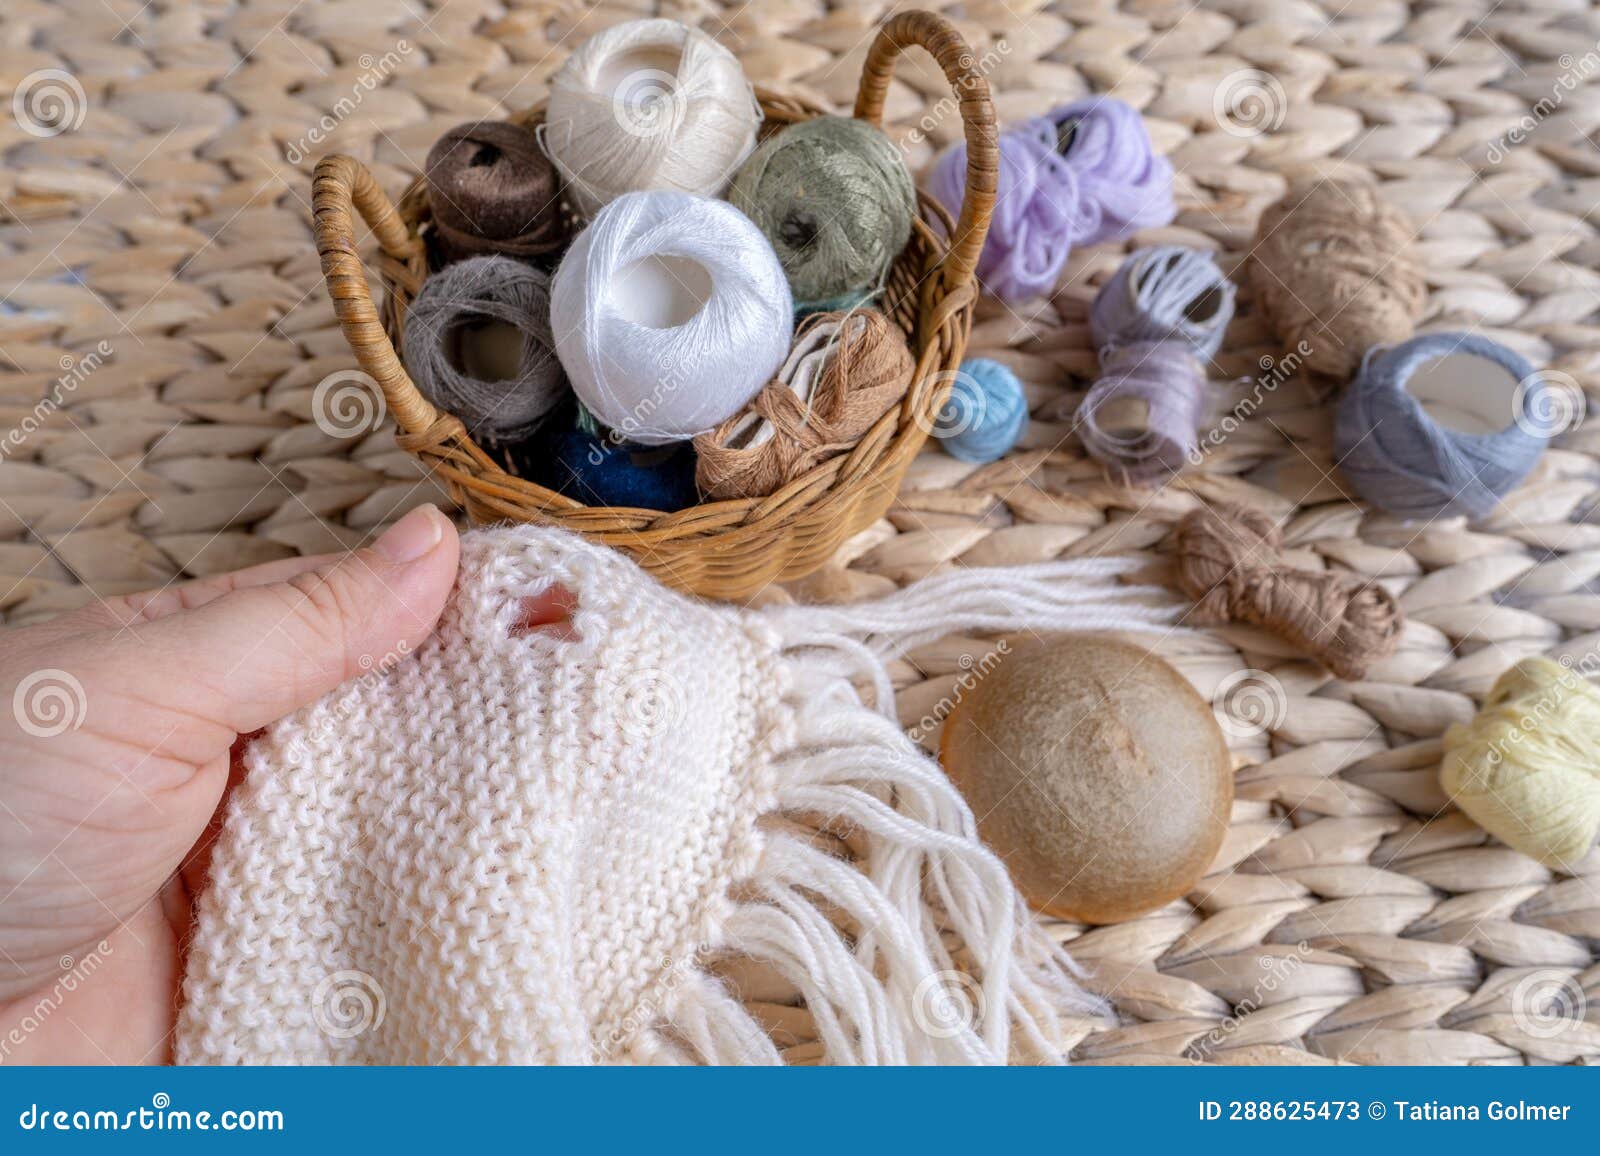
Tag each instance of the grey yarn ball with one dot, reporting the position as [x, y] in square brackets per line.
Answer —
[460, 298]
[1399, 458]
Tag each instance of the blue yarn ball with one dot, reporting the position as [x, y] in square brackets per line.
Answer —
[984, 414]
[598, 471]
[1396, 456]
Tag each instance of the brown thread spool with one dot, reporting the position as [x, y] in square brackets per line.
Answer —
[1229, 561]
[844, 372]
[492, 190]
[1331, 266]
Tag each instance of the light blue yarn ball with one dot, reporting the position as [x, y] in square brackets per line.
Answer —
[984, 414]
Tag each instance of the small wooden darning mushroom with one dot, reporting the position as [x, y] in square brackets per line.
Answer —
[1096, 772]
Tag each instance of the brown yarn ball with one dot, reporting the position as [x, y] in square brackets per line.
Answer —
[855, 374]
[1229, 561]
[1331, 266]
[492, 190]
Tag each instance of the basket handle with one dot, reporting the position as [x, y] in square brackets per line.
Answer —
[339, 184]
[947, 46]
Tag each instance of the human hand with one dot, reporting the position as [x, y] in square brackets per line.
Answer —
[116, 755]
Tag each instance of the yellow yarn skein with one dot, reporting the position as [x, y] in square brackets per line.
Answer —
[1527, 769]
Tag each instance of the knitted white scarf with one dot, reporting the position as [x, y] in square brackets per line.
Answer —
[508, 848]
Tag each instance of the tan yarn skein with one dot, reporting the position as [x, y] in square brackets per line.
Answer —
[1229, 562]
[1331, 266]
[808, 414]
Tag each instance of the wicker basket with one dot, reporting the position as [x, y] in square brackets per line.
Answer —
[726, 549]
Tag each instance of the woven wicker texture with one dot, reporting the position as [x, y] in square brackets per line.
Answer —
[169, 225]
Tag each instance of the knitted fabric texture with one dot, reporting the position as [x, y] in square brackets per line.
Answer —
[512, 847]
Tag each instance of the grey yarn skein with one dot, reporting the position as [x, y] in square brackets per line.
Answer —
[1164, 292]
[1401, 460]
[491, 288]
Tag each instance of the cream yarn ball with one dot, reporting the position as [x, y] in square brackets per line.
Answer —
[670, 312]
[1527, 768]
[649, 104]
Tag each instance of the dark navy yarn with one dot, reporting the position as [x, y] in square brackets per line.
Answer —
[598, 471]
[1401, 460]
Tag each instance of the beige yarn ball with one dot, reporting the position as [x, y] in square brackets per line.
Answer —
[1331, 266]
[648, 104]
[1527, 768]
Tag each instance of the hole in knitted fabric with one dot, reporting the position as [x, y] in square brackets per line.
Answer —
[549, 613]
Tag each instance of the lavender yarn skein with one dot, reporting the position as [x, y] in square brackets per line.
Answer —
[1085, 173]
[1164, 292]
[1164, 307]
[1036, 213]
[1400, 459]
[1126, 184]
[1164, 376]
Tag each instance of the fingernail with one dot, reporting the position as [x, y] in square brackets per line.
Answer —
[412, 536]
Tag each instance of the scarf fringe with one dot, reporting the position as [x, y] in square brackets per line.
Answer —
[916, 948]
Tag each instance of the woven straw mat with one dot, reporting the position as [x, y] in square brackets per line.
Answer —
[1353, 914]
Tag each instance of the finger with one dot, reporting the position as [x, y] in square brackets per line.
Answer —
[256, 653]
[153, 605]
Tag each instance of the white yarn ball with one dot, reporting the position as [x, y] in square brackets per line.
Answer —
[670, 312]
[650, 104]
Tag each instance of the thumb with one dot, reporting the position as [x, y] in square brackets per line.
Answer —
[261, 650]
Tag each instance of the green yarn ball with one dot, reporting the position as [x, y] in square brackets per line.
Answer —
[836, 200]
